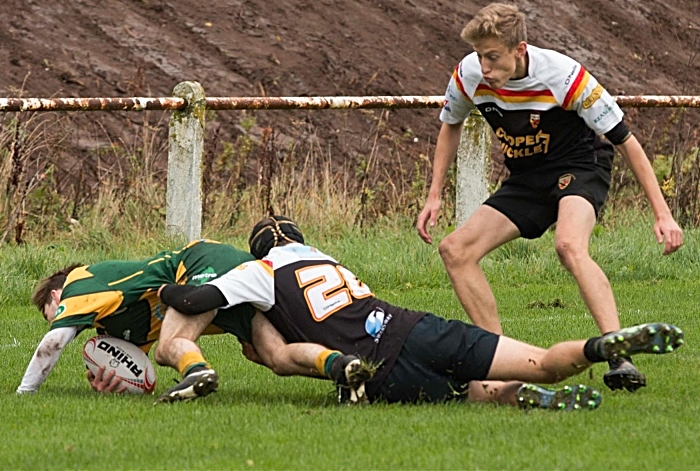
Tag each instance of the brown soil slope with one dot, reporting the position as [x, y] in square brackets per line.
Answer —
[80, 48]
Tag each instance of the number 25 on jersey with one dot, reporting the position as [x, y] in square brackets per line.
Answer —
[329, 288]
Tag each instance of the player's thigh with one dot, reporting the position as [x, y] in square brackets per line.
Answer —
[483, 232]
[575, 221]
[178, 325]
[516, 360]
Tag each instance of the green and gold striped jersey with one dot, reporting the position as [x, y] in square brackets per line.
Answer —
[120, 297]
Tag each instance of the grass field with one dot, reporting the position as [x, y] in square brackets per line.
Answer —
[260, 421]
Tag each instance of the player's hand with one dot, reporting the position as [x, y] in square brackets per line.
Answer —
[428, 218]
[106, 383]
[251, 353]
[667, 230]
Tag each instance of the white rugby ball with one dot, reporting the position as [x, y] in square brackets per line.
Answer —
[128, 360]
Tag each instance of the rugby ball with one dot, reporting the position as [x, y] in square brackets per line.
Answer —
[128, 360]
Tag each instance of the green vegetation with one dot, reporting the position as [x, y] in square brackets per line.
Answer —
[361, 211]
[260, 421]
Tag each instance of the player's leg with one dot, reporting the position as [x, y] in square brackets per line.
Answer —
[515, 360]
[308, 359]
[574, 227]
[176, 348]
[461, 252]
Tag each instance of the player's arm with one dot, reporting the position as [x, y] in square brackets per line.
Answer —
[455, 110]
[665, 227]
[251, 282]
[192, 300]
[445, 153]
[282, 358]
[45, 358]
[602, 114]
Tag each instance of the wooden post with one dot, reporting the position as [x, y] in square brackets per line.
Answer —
[473, 157]
[183, 214]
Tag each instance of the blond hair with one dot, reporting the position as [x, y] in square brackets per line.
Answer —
[497, 20]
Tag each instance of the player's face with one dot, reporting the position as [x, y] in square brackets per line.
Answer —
[499, 63]
[51, 307]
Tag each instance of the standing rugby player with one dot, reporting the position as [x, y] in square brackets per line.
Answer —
[558, 128]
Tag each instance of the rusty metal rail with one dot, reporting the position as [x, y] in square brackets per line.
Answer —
[285, 103]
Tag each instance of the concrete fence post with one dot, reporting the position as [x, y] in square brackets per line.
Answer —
[183, 214]
[473, 157]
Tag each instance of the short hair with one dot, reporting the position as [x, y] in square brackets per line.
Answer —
[271, 232]
[42, 293]
[497, 20]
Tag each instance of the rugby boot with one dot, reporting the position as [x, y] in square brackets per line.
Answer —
[623, 374]
[567, 398]
[350, 374]
[196, 384]
[655, 338]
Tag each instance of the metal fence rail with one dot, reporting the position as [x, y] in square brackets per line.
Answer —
[286, 103]
[186, 136]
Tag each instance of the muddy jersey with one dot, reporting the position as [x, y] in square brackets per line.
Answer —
[557, 112]
[309, 297]
[120, 297]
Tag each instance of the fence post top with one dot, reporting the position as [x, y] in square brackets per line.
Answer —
[188, 89]
[193, 94]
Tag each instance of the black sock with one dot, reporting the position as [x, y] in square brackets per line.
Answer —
[591, 351]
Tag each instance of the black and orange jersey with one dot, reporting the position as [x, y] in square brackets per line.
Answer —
[120, 297]
[309, 297]
[557, 112]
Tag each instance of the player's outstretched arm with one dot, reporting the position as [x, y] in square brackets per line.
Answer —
[445, 153]
[282, 358]
[192, 300]
[665, 227]
[45, 358]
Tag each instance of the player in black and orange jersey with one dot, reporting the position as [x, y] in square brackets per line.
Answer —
[550, 115]
[309, 297]
[120, 298]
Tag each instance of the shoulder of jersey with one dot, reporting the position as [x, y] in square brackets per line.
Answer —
[282, 256]
[469, 73]
[553, 68]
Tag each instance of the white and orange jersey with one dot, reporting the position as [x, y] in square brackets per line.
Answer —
[309, 297]
[558, 111]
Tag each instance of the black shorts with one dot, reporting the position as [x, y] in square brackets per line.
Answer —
[437, 361]
[236, 320]
[531, 199]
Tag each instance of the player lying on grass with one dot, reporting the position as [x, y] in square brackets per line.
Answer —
[309, 297]
[550, 115]
[120, 298]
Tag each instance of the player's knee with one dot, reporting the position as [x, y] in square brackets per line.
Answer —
[160, 355]
[454, 251]
[570, 255]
